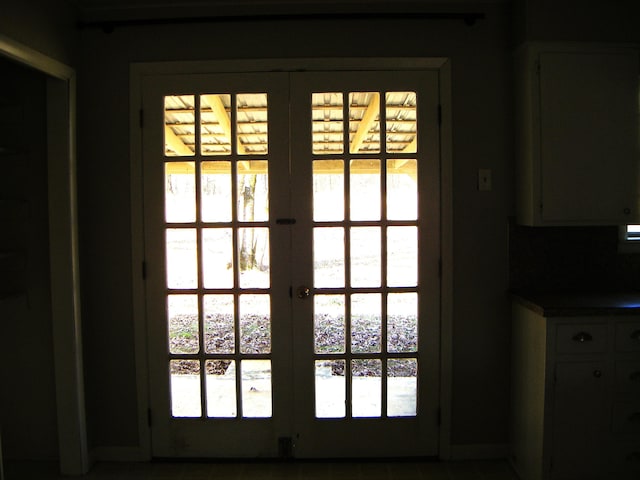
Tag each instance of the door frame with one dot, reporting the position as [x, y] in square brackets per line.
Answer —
[139, 71]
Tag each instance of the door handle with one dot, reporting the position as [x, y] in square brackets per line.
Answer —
[303, 292]
[582, 337]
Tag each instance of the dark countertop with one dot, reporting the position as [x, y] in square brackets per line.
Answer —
[564, 304]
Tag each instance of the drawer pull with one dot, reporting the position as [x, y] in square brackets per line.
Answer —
[597, 373]
[636, 336]
[582, 337]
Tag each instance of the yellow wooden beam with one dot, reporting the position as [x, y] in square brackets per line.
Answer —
[257, 167]
[412, 147]
[174, 143]
[368, 119]
[220, 112]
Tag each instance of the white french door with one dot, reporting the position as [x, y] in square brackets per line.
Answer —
[292, 251]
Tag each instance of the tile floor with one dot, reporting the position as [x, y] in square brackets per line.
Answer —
[303, 470]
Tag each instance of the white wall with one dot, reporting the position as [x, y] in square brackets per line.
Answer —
[482, 119]
[482, 138]
[44, 25]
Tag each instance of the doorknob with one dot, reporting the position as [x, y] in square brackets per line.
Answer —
[303, 292]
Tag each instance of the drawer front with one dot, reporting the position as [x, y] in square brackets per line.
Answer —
[626, 417]
[581, 338]
[628, 336]
[628, 376]
[581, 379]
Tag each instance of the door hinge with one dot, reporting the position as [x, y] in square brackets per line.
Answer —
[144, 270]
[439, 417]
[440, 268]
[290, 292]
[141, 118]
[149, 419]
[439, 115]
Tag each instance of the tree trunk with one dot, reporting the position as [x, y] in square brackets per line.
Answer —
[247, 243]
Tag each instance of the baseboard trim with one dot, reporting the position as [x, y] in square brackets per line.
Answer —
[119, 454]
[480, 451]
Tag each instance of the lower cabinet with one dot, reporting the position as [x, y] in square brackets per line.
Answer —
[575, 396]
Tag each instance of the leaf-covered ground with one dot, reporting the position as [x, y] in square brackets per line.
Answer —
[219, 337]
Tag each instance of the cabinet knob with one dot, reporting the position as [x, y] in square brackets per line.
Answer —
[582, 337]
[636, 336]
[634, 417]
[627, 211]
[635, 376]
[597, 373]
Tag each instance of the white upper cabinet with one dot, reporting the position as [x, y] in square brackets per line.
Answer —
[577, 135]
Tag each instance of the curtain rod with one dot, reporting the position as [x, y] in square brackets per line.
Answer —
[108, 26]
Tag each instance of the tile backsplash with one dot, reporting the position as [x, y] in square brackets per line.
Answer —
[570, 259]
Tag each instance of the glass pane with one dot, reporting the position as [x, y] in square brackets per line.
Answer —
[182, 312]
[328, 190]
[328, 257]
[327, 122]
[365, 257]
[219, 328]
[366, 378]
[330, 389]
[402, 256]
[329, 324]
[253, 191]
[402, 189]
[185, 388]
[364, 191]
[221, 388]
[401, 122]
[253, 257]
[182, 258]
[366, 323]
[252, 131]
[217, 257]
[402, 322]
[215, 191]
[215, 124]
[364, 122]
[402, 387]
[179, 125]
[256, 388]
[255, 323]
[180, 192]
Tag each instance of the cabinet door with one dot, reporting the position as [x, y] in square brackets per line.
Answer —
[580, 421]
[588, 137]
